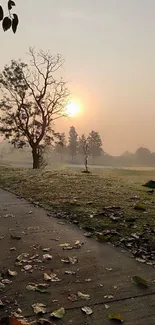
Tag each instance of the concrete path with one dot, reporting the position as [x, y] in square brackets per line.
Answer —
[110, 270]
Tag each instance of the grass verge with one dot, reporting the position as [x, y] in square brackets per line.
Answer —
[110, 204]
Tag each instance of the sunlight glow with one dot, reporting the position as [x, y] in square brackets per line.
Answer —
[72, 109]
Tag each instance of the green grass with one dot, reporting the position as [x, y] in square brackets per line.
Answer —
[77, 196]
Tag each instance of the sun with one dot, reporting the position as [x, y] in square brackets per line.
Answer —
[72, 109]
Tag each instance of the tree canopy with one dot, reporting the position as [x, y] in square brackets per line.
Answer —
[32, 98]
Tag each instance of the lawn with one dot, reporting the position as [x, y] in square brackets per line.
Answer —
[111, 205]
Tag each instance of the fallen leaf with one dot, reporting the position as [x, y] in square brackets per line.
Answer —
[47, 257]
[59, 313]
[6, 281]
[37, 287]
[2, 286]
[140, 281]
[18, 263]
[70, 272]
[21, 257]
[72, 297]
[39, 308]
[17, 237]
[31, 287]
[10, 321]
[73, 260]
[83, 296]
[27, 267]
[47, 277]
[116, 317]
[54, 278]
[12, 273]
[87, 310]
[88, 234]
[18, 316]
[64, 245]
[65, 260]
[106, 306]
[34, 256]
[109, 297]
[140, 260]
[1, 303]
[12, 249]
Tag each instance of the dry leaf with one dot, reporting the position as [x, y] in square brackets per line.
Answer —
[54, 278]
[27, 267]
[6, 281]
[47, 277]
[70, 272]
[1, 303]
[31, 287]
[12, 249]
[12, 273]
[17, 237]
[47, 257]
[83, 296]
[109, 297]
[106, 306]
[87, 310]
[73, 260]
[64, 245]
[39, 308]
[65, 260]
[72, 297]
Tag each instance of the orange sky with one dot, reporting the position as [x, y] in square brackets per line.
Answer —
[109, 51]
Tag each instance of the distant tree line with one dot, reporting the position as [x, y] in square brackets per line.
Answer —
[85, 146]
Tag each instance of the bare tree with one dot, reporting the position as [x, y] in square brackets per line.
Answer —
[32, 99]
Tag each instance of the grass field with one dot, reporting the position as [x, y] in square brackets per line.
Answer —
[110, 204]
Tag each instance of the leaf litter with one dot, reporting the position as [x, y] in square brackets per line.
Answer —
[59, 313]
[140, 281]
[83, 296]
[47, 257]
[12, 273]
[87, 310]
[42, 288]
[39, 308]
[116, 317]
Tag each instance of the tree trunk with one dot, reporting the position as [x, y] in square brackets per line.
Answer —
[86, 163]
[35, 156]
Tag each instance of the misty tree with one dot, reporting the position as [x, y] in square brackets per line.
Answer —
[83, 149]
[73, 142]
[60, 145]
[95, 144]
[32, 98]
[11, 19]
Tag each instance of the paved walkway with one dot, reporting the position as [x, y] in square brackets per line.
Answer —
[109, 269]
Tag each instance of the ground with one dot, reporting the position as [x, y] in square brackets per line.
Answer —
[102, 273]
[83, 199]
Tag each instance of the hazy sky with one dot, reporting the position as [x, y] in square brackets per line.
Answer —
[109, 48]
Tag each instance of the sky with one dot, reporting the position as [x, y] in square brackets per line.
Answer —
[109, 52]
